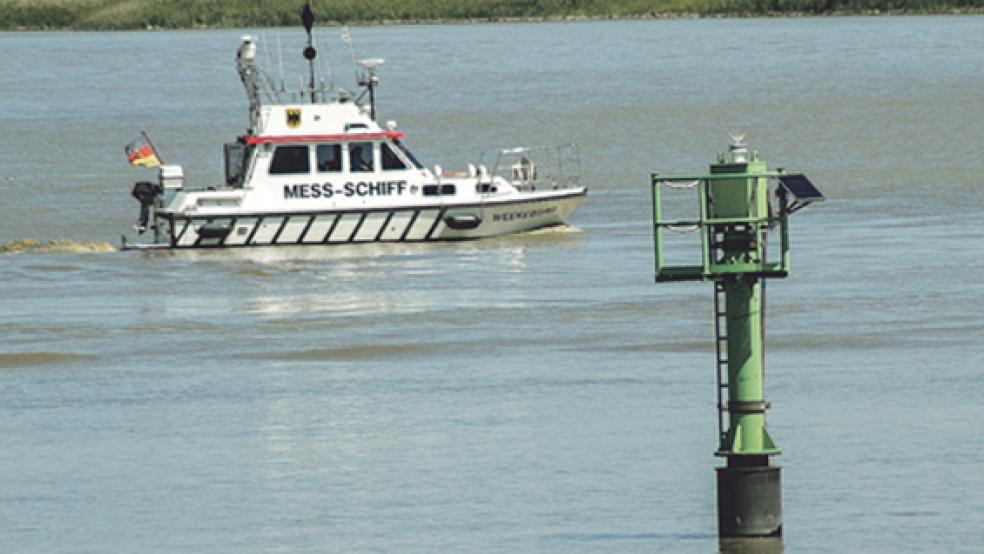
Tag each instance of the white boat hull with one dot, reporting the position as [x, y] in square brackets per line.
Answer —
[396, 224]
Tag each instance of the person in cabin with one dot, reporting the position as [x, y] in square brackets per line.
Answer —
[359, 158]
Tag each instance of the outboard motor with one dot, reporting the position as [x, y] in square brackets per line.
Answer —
[145, 192]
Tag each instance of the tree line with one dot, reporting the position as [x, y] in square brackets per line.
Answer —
[173, 14]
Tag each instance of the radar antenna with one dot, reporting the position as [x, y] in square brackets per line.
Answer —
[370, 81]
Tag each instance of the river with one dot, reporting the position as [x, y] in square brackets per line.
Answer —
[533, 393]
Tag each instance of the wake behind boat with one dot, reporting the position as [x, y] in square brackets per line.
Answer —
[315, 167]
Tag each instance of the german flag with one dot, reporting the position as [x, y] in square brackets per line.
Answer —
[142, 153]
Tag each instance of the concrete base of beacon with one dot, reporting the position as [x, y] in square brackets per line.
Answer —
[749, 499]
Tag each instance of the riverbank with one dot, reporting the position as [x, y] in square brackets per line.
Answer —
[179, 14]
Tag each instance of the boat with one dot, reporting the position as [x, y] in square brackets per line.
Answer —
[314, 167]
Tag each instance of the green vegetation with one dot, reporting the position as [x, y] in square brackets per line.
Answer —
[137, 14]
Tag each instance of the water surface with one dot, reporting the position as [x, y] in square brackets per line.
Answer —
[535, 393]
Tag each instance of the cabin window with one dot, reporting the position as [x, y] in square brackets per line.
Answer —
[439, 190]
[330, 157]
[390, 160]
[290, 160]
[410, 157]
[360, 157]
[235, 163]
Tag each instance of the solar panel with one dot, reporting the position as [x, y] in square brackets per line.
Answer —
[800, 188]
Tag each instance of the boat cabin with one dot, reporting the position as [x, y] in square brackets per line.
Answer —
[317, 141]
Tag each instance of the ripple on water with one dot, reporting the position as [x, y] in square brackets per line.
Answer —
[25, 245]
[32, 359]
[54, 268]
[348, 353]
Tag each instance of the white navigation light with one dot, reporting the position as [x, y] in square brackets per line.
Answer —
[738, 148]
[391, 125]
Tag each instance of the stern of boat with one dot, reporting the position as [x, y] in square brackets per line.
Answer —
[152, 198]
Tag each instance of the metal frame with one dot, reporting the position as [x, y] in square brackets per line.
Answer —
[709, 268]
[550, 159]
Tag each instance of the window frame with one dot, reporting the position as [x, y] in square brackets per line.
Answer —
[317, 157]
[372, 156]
[273, 159]
[385, 147]
[413, 159]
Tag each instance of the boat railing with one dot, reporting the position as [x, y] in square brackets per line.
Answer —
[539, 168]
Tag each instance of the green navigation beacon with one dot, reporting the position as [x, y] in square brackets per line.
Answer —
[742, 212]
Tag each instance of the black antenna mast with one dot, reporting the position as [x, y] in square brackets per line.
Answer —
[307, 19]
